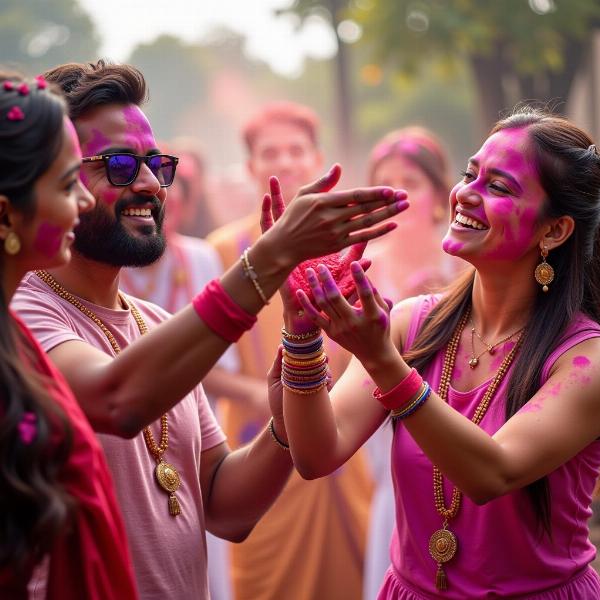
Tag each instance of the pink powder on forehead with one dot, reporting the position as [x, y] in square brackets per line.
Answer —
[73, 135]
[48, 239]
[136, 121]
[97, 143]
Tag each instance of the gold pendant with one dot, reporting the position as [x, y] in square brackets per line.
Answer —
[169, 480]
[442, 547]
[473, 362]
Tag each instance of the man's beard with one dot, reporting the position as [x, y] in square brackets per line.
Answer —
[100, 235]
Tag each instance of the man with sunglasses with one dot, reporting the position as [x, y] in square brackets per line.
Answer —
[128, 367]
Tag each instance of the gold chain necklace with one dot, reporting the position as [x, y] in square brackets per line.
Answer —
[166, 474]
[443, 543]
[490, 348]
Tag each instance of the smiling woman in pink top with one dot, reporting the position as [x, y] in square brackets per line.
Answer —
[493, 386]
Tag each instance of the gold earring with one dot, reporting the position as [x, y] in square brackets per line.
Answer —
[544, 273]
[12, 244]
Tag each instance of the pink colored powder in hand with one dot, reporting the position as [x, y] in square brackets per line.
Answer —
[338, 267]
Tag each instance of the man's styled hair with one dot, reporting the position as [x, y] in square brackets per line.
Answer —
[88, 85]
[281, 112]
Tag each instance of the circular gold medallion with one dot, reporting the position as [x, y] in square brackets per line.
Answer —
[544, 274]
[167, 476]
[442, 545]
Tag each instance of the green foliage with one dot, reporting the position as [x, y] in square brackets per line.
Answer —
[409, 32]
[38, 34]
[174, 74]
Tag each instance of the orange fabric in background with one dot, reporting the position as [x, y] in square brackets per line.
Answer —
[310, 545]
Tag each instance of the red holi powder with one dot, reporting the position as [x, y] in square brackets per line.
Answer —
[337, 266]
[48, 239]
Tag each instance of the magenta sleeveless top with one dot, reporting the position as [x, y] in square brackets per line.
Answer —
[501, 552]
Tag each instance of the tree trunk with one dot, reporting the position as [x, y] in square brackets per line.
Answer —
[343, 98]
[488, 72]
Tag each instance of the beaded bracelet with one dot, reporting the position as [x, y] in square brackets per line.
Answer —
[401, 393]
[413, 405]
[251, 274]
[299, 336]
[278, 441]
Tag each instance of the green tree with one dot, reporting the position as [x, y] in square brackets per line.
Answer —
[516, 49]
[36, 35]
[175, 79]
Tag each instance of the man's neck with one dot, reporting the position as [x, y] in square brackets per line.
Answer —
[93, 281]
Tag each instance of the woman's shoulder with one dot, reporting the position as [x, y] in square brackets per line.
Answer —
[408, 315]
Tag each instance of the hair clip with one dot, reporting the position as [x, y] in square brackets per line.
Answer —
[23, 89]
[8, 85]
[27, 427]
[15, 114]
[42, 84]
[592, 148]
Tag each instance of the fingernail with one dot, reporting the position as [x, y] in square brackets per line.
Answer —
[401, 195]
[387, 192]
[402, 204]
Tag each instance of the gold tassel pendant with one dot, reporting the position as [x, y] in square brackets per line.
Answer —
[441, 582]
[174, 506]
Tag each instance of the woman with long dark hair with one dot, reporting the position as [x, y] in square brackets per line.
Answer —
[493, 386]
[56, 499]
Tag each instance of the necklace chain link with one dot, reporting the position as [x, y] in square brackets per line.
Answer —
[157, 450]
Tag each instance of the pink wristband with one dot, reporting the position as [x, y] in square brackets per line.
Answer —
[398, 396]
[221, 313]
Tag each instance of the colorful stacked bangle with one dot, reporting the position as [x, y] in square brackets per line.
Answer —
[304, 366]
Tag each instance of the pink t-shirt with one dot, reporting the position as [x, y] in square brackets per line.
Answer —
[169, 553]
[501, 553]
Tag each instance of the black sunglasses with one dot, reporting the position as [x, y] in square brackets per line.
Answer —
[122, 167]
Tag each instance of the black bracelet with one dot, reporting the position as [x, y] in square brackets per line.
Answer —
[279, 442]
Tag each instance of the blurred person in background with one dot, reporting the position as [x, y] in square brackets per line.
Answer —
[408, 262]
[196, 214]
[311, 543]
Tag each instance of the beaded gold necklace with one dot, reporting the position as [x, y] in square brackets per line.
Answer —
[166, 474]
[443, 543]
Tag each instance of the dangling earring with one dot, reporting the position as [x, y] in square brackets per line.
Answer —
[544, 273]
[12, 244]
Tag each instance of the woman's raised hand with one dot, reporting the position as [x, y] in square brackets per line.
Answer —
[324, 222]
[363, 328]
[320, 221]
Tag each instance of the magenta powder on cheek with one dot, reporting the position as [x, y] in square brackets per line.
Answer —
[110, 196]
[451, 247]
[48, 239]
